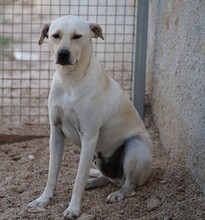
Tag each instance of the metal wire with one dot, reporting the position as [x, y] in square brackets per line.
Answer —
[27, 69]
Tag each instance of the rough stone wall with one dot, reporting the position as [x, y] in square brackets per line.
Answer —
[176, 79]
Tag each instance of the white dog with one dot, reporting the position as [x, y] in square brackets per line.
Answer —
[89, 107]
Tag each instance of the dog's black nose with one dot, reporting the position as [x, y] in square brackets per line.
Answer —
[63, 53]
[63, 56]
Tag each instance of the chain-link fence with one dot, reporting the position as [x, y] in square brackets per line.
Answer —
[26, 69]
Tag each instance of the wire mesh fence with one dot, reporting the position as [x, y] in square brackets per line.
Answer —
[27, 69]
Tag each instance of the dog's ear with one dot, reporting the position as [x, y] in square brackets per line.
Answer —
[44, 32]
[96, 31]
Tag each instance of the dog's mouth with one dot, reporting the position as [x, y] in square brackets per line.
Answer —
[75, 62]
[66, 63]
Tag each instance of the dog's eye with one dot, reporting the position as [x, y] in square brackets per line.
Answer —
[56, 36]
[77, 36]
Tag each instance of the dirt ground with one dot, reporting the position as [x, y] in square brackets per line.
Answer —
[169, 193]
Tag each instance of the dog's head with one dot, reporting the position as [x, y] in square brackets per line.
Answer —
[70, 38]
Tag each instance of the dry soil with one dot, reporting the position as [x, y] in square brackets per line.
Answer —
[169, 193]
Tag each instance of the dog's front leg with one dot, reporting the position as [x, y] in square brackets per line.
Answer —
[86, 157]
[56, 152]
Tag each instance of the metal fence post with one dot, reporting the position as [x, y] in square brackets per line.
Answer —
[140, 56]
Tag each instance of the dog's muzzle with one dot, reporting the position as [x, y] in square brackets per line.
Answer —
[63, 57]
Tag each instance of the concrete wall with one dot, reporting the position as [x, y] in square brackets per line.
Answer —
[176, 79]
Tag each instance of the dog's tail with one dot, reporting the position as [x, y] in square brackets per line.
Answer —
[94, 173]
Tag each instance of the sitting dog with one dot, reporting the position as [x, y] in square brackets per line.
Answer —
[89, 107]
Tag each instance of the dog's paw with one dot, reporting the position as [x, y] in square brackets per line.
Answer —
[40, 202]
[115, 197]
[71, 213]
[94, 173]
[89, 184]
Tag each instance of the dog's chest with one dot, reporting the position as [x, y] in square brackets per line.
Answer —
[66, 117]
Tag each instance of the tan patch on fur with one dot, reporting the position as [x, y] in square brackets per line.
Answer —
[107, 83]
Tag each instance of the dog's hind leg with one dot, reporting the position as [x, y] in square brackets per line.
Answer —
[96, 182]
[120, 194]
[136, 167]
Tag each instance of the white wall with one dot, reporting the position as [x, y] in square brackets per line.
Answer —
[176, 79]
